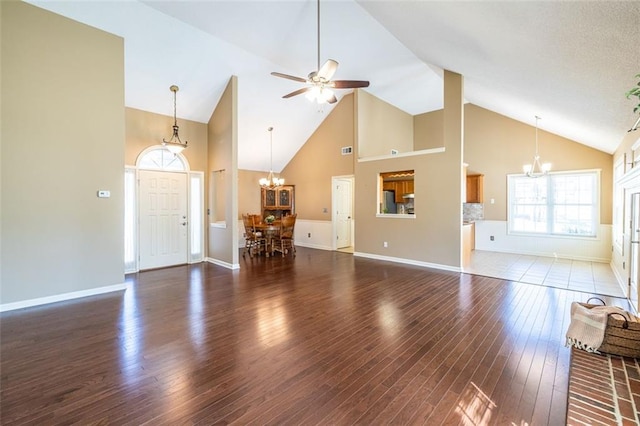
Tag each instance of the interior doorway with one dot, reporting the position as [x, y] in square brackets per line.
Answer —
[342, 212]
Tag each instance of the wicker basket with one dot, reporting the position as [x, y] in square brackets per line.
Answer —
[621, 337]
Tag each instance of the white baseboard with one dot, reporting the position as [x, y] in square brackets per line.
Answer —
[222, 263]
[313, 246]
[619, 278]
[61, 297]
[409, 262]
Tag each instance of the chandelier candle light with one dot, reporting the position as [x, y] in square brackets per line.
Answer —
[270, 181]
[174, 144]
[536, 169]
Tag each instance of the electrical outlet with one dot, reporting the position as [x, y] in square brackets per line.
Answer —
[309, 235]
[385, 245]
[491, 238]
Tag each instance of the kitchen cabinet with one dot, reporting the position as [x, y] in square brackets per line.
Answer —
[475, 188]
[278, 201]
[402, 187]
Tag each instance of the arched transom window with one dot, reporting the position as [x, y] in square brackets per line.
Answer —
[159, 158]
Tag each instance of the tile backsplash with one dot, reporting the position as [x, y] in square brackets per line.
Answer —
[472, 211]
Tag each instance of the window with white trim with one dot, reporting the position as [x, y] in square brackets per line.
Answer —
[560, 203]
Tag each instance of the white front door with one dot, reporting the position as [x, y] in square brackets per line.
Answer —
[343, 211]
[163, 219]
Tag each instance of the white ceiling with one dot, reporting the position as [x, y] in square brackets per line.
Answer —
[568, 62]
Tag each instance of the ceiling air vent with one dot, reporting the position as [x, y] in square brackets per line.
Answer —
[347, 150]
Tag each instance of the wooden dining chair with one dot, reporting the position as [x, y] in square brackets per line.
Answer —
[283, 242]
[254, 242]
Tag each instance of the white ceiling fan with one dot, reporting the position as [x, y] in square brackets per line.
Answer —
[318, 83]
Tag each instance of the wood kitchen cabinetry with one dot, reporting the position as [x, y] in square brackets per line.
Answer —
[475, 188]
[468, 242]
[278, 201]
[400, 187]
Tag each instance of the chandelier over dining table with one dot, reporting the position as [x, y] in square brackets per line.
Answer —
[271, 181]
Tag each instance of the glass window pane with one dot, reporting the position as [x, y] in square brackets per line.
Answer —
[571, 210]
[196, 212]
[161, 159]
[130, 264]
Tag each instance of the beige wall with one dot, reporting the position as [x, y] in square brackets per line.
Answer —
[249, 193]
[222, 132]
[434, 236]
[144, 129]
[387, 127]
[428, 130]
[320, 158]
[62, 139]
[496, 145]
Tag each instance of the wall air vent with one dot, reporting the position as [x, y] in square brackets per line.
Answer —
[347, 150]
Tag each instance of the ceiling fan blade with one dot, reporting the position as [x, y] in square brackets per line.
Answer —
[328, 69]
[349, 84]
[297, 92]
[332, 99]
[289, 77]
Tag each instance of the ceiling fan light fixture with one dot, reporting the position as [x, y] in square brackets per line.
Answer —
[174, 145]
[320, 94]
[319, 81]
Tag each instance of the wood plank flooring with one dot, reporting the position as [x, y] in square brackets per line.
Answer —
[322, 338]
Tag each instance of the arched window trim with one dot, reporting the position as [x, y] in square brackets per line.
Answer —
[166, 156]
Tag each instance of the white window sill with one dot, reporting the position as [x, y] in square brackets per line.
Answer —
[396, 215]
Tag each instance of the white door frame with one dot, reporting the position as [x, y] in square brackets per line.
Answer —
[189, 174]
[334, 226]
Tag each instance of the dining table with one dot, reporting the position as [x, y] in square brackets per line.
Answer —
[270, 231]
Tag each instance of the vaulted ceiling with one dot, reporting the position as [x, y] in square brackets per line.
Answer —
[568, 62]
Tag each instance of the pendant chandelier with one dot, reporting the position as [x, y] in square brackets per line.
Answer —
[271, 181]
[174, 144]
[536, 169]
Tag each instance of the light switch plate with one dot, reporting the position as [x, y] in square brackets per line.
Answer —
[104, 194]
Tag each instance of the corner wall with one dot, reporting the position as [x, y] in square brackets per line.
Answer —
[62, 139]
[222, 137]
[433, 237]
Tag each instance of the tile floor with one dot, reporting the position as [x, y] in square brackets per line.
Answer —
[588, 277]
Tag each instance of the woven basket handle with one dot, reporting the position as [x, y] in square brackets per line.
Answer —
[626, 322]
[597, 298]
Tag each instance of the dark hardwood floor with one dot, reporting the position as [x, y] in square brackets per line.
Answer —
[323, 338]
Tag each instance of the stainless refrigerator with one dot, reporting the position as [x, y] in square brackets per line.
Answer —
[389, 202]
